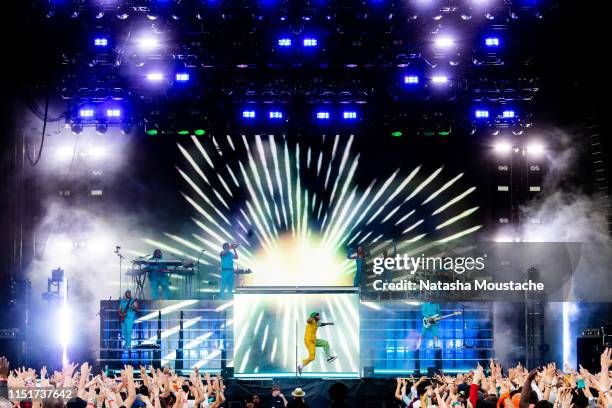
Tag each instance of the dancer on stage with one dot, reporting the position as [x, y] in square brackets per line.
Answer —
[227, 270]
[158, 276]
[128, 306]
[311, 341]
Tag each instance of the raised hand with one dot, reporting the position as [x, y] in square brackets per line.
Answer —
[4, 367]
[605, 359]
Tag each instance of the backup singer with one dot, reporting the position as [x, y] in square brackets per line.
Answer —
[158, 276]
[227, 270]
[128, 306]
[311, 341]
[360, 258]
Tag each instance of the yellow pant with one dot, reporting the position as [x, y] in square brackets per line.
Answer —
[311, 346]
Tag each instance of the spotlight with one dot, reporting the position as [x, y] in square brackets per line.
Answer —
[535, 149]
[113, 113]
[481, 113]
[323, 115]
[492, 42]
[64, 153]
[76, 128]
[86, 113]
[101, 128]
[310, 42]
[439, 79]
[444, 42]
[508, 114]
[155, 76]
[97, 152]
[284, 42]
[411, 79]
[396, 133]
[199, 132]
[152, 132]
[148, 43]
[182, 77]
[275, 115]
[248, 114]
[101, 42]
[349, 115]
[502, 147]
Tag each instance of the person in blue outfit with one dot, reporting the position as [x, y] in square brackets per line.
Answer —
[158, 276]
[128, 307]
[360, 258]
[227, 255]
[429, 309]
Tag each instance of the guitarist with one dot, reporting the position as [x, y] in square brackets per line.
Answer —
[429, 309]
[128, 307]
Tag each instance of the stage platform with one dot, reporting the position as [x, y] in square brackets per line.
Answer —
[254, 336]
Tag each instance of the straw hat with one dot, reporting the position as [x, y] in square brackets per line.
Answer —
[298, 392]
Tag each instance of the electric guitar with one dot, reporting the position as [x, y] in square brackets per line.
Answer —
[433, 320]
[123, 312]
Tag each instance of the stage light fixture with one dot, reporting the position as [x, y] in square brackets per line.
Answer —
[155, 76]
[396, 133]
[349, 115]
[411, 79]
[439, 79]
[492, 42]
[76, 128]
[101, 42]
[199, 132]
[502, 147]
[284, 42]
[535, 149]
[310, 42]
[182, 77]
[86, 113]
[481, 113]
[322, 115]
[248, 114]
[152, 132]
[101, 128]
[275, 115]
[183, 132]
[444, 42]
[508, 114]
[113, 113]
[148, 43]
[126, 128]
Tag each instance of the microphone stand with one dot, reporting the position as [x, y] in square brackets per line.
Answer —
[118, 252]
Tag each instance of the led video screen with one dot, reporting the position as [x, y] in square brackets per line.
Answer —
[269, 331]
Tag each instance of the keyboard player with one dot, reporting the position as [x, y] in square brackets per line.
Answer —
[159, 276]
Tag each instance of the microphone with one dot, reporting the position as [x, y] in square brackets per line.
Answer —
[117, 248]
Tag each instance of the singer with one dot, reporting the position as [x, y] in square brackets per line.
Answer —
[228, 254]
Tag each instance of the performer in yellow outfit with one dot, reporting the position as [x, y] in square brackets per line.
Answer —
[311, 341]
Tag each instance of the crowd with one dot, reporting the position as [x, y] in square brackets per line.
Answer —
[544, 387]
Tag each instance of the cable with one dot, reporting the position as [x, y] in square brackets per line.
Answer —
[42, 140]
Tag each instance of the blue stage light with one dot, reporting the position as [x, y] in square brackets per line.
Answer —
[411, 79]
[508, 114]
[322, 115]
[439, 79]
[86, 113]
[113, 113]
[481, 113]
[155, 76]
[310, 42]
[248, 114]
[275, 115]
[284, 42]
[349, 115]
[182, 76]
[101, 42]
[492, 42]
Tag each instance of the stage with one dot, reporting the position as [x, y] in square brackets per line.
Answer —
[260, 335]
